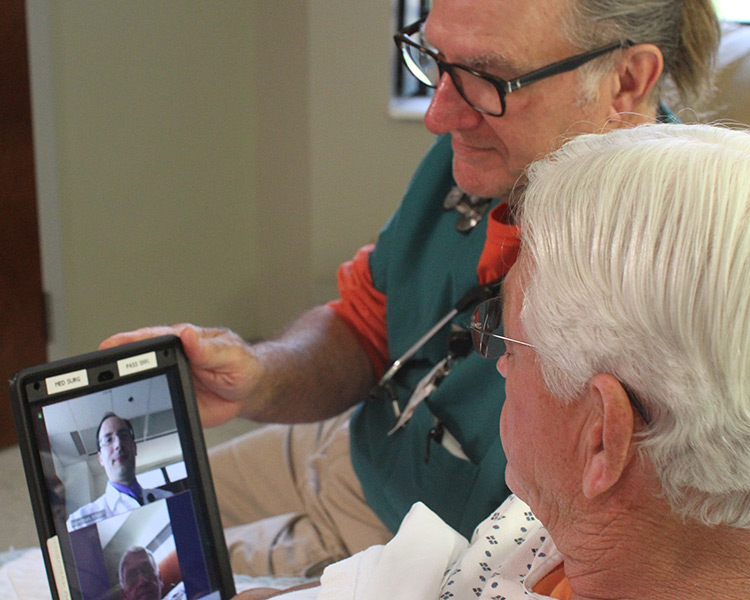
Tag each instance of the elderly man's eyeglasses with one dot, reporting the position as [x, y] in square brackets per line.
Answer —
[486, 325]
[483, 91]
[145, 571]
[488, 343]
[123, 435]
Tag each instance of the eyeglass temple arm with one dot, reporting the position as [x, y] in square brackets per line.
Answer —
[636, 403]
[563, 66]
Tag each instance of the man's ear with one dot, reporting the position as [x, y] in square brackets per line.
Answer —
[638, 71]
[99, 456]
[608, 435]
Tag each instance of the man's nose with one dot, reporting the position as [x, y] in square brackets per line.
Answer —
[119, 440]
[502, 365]
[448, 111]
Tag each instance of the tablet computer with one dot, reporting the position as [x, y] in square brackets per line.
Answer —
[118, 476]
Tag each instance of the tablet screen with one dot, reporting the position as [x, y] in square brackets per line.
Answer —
[123, 480]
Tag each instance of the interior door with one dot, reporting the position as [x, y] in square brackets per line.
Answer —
[22, 336]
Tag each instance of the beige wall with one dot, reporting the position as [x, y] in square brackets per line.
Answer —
[209, 161]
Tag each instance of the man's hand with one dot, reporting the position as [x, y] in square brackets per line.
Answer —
[223, 366]
[315, 370]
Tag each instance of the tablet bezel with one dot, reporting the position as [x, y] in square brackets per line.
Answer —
[102, 370]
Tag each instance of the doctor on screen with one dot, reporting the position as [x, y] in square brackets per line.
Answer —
[116, 450]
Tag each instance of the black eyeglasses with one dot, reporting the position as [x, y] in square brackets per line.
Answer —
[484, 92]
[487, 321]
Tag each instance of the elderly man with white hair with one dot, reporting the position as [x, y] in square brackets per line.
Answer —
[626, 356]
[627, 418]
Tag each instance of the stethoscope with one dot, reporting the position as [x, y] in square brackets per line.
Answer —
[470, 209]
[430, 382]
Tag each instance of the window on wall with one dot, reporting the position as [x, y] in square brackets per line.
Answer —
[409, 98]
[733, 10]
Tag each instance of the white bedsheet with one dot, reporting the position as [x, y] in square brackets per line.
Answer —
[24, 577]
[410, 567]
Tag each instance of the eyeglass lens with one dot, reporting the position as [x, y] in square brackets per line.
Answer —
[477, 91]
[486, 326]
[421, 64]
[122, 434]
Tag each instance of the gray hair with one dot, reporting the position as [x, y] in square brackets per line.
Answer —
[638, 246]
[686, 31]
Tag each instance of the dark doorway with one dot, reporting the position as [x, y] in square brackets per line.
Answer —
[22, 337]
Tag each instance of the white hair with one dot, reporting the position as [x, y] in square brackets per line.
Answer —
[638, 245]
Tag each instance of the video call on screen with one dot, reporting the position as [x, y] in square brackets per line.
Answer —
[101, 523]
